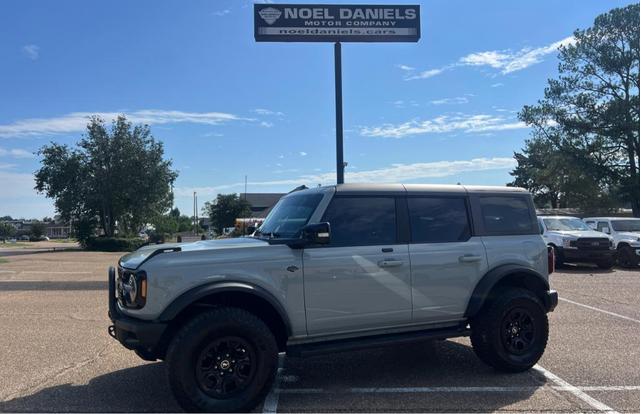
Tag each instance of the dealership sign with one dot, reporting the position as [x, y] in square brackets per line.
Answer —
[336, 23]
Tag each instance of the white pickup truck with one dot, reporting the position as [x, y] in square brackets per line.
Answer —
[624, 231]
[574, 242]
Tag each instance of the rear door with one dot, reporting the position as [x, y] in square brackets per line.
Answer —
[447, 260]
[361, 279]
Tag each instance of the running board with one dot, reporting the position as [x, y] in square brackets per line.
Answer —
[351, 344]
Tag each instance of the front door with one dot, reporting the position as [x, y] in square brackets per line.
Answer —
[361, 279]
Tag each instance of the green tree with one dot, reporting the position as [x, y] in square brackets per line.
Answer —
[590, 114]
[38, 229]
[225, 209]
[117, 175]
[556, 181]
[6, 230]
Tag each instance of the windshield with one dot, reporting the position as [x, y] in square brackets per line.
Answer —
[289, 215]
[565, 224]
[626, 225]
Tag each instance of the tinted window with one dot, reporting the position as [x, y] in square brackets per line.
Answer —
[626, 225]
[438, 220]
[289, 215]
[362, 220]
[508, 215]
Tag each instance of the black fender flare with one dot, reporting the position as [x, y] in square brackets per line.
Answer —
[199, 292]
[490, 279]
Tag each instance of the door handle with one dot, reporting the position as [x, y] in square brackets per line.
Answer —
[469, 258]
[390, 263]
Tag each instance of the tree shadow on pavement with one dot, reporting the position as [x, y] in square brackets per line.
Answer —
[144, 388]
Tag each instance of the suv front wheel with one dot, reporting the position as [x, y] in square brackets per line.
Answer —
[511, 333]
[223, 360]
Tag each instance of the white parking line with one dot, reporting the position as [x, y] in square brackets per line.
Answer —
[599, 310]
[271, 400]
[418, 390]
[594, 403]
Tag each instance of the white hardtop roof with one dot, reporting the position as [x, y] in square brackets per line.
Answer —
[559, 217]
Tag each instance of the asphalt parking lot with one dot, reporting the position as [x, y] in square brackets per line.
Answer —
[56, 354]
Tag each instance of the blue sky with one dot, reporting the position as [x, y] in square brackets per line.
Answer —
[442, 110]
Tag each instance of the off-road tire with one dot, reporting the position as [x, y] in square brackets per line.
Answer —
[487, 339]
[627, 257]
[605, 264]
[202, 331]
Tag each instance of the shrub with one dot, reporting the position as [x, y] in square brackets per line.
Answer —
[113, 244]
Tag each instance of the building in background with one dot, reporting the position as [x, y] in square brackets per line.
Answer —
[261, 203]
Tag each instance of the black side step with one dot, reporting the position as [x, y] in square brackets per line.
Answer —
[377, 341]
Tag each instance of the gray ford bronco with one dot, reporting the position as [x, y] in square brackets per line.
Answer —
[338, 268]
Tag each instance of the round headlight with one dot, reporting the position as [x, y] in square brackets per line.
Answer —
[132, 289]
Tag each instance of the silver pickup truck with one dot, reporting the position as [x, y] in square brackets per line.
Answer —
[339, 268]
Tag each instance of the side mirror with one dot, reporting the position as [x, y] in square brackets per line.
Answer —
[317, 233]
[605, 230]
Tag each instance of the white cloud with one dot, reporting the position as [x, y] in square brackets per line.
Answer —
[425, 74]
[496, 85]
[451, 101]
[509, 61]
[221, 12]
[405, 67]
[390, 174]
[302, 153]
[506, 61]
[443, 124]
[16, 153]
[268, 112]
[266, 124]
[77, 121]
[31, 51]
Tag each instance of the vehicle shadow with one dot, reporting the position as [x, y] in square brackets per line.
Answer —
[403, 378]
[144, 388]
[583, 268]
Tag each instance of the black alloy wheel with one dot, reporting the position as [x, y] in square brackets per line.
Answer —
[518, 331]
[225, 367]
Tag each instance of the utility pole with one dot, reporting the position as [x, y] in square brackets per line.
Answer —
[194, 211]
[338, 90]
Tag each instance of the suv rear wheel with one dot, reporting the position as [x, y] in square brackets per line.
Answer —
[511, 333]
[223, 360]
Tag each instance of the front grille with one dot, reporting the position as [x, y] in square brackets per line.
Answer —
[593, 243]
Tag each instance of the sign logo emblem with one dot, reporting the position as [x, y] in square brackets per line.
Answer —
[270, 14]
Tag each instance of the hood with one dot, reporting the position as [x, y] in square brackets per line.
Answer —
[628, 235]
[580, 233]
[134, 259]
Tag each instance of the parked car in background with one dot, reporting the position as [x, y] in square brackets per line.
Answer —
[575, 242]
[624, 231]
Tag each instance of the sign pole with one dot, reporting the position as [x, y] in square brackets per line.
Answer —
[338, 81]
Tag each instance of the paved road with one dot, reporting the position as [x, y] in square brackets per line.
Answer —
[57, 356]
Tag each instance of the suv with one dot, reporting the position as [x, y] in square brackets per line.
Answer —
[625, 232]
[338, 268]
[574, 242]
